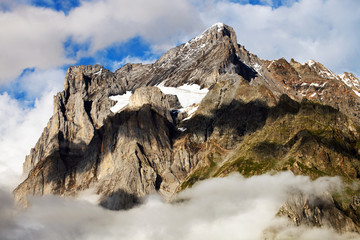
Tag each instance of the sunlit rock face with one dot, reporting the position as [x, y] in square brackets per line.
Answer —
[206, 108]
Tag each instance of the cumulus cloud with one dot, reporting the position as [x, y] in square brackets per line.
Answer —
[30, 41]
[304, 29]
[307, 29]
[35, 36]
[224, 208]
[21, 125]
[33, 84]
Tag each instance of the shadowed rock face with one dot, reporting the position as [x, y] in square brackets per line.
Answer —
[257, 116]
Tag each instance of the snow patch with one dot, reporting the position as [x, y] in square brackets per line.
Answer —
[322, 71]
[122, 101]
[98, 72]
[190, 111]
[182, 129]
[313, 95]
[315, 85]
[327, 74]
[356, 92]
[219, 26]
[272, 62]
[257, 67]
[350, 81]
[187, 94]
[311, 63]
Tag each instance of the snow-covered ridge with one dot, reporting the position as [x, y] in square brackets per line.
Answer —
[311, 63]
[217, 26]
[350, 80]
[322, 71]
[356, 92]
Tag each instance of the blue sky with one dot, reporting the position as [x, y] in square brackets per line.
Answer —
[58, 5]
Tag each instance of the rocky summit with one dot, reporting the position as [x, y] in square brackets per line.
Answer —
[205, 109]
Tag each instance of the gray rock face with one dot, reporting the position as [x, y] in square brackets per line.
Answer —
[150, 146]
[78, 111]
[319, 211]
[154, 97]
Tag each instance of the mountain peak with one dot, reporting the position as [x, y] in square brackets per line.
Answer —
[255, 116]
[213, 33]
[219, 26]
[351, 81]
[321, 70]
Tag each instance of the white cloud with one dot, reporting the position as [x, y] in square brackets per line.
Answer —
[113, 20]
[223, 208]
[324, 30]
[34, 36]
[38, 82]
[21, 126]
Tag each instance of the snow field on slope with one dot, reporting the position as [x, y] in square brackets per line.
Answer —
[187, 94]
[122, 101]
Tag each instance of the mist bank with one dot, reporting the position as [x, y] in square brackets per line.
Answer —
[233, 207]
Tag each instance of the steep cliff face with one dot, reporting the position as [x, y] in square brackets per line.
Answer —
[79, 109]
[252, 116]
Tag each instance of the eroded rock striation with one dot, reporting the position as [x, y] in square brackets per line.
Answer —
[257, 116]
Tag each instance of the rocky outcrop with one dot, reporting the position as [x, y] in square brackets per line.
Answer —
[257, 116]
[127, 158]
[78, 110]
[316, 83]
[153, 96]
[319, 211]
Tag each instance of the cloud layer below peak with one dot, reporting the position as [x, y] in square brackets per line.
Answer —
[223, 208]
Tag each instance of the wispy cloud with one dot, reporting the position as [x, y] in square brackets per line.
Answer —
[35, 36]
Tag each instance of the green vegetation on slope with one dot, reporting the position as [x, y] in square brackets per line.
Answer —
[306, 138]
